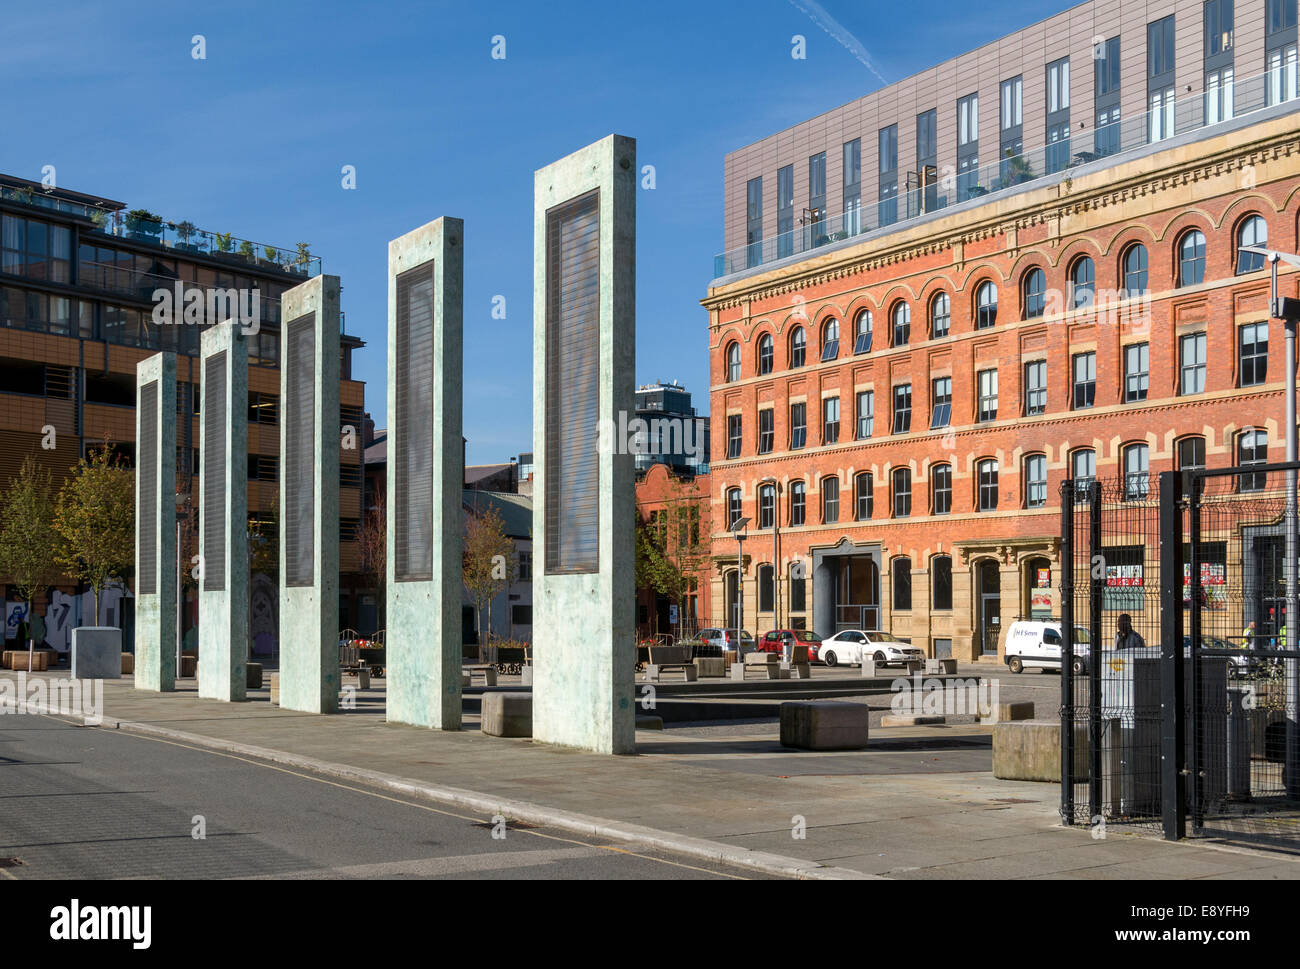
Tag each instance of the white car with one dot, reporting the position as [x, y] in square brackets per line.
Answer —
[1036, 644]
[852, 646]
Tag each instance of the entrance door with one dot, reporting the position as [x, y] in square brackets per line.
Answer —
[857, 603]
[989, 600]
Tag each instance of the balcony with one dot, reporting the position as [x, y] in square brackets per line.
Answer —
[1083, 152]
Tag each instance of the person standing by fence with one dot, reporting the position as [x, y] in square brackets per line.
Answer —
[1126, 637]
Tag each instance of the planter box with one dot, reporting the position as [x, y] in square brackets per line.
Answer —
[189, 664]
[128, 664]
[96, 653]
[16, 659]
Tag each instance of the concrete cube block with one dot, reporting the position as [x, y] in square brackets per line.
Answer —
[824, 725]
[1030, 750]
[1017, 710]
[710, 666]
[128, 664]
[507, 714]
[941, 666]
[869, 668]
[96, 653]
[274, 683]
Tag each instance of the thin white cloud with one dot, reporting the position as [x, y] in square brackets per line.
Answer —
[818, 14]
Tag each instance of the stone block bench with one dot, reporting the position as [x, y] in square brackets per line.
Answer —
[764, 665]
[1030, 750]
[669, 659]
[507, 714]
[824, 725]
[486, 673]
[96, 653]
[941, 666]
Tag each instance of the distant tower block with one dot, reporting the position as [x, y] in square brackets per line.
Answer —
[155, 523]
[223, 514]
[584, 338]
[425, 476]
[309, 496]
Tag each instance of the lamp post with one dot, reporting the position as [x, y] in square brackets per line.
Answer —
[738, 529]
[1288, 311]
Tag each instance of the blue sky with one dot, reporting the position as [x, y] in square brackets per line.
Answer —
[251, 140]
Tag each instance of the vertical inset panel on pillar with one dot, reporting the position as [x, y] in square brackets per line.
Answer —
[216, 454]
[415, 418]
[156, 612]
[146, 469]
[299, 414]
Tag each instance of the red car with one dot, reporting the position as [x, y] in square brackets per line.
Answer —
[773, 642]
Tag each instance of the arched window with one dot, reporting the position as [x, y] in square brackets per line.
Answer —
[940, 315]
[901, 573]
[1083, 283]
[1252, 448]
[1035, 481]
[733, 362]
[798, 493]
[902, 481]
[862, 332]
[1135, 269]
[765, 354]
[1191, 453]
[1253, 232]
[1191, 258]
[766, 506]
[798, 346]
[830, 340]
[1083, 469]
[902, 323]
[863, 495]
[941, 489]
[986, 485]
[986, 305]
[941, 582]
[830, 499]
[1035, 293]
[766, 587]
[1136, 472]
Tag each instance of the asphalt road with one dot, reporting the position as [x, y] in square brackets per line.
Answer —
[77, 802]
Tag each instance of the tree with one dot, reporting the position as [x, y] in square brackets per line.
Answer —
[489, 562]
[372, 537]
[27, 535]
[95, 520]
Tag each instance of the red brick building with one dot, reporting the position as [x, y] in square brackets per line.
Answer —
[676, 506]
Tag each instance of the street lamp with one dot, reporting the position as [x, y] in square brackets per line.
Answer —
[1288, 311]
[738, 529]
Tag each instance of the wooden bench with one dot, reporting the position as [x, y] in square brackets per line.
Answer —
[486, 672]
[765, 665]
[670, 659]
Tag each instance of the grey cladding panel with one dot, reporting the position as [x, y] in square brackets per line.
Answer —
[412, 458]
[146, 471]
[214, 463]
[299, 414]
[572, 460]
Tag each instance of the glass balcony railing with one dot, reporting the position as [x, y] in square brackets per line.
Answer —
[178, 236]
[950, 187]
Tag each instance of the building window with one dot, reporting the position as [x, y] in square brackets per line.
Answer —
[1012, 103]
[1035, 481]
[1252, 351]
[817, 196]
[797, 496]
[830, 500]
[1191, 454]
[830, 420]
[733, 507]
[798, 347]
[986, 306]
[902, 583]
[864, 494]
[263, 408]
[1282, 71]
[1160, 78]
[1083, 283]
[1281, 15]
[798, 425]
[862, 332]
[852, 186]
[733, 435]
[941, 488]
[1253, 232]
[1083, 469]
[766, 506]
[866, 414]
[1137, 365]
[1035, 387]
[902, 408]
[968, 124]
[902, 480]
[1161, 114]
[902, 323]
[1218, 95]
[766, 430]
[941, 582]
[1035, 293]
[986, 483]
[1085, 379]
[1191, 363]
[987, 381]
[765, 354]
[941, 402]
[830, 340]
[940, 315]
[1252, 448]
[1135, 269]
[766, 587]
[754, 222]
[733, 362]
[1136, 472]
[1191, 258]
[785, 211]
[888, 178]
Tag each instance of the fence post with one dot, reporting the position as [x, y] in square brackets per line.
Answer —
[1097, 590]
[1067, 657]
[1192, 770]
[1173, 749]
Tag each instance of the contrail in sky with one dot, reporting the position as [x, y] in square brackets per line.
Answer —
[818, 15]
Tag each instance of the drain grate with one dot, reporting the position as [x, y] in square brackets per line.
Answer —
[511, 825]
[11, 862]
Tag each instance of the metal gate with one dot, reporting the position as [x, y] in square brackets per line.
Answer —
[1155, 732]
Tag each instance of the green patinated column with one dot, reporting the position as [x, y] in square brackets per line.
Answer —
[584, 339]
[223, 515]
[309, 496]
[155, 523]
[425, 476]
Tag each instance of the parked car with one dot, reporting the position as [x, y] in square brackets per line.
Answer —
[774, 641]
[725, 639]
[852, 646]
[1036, 644]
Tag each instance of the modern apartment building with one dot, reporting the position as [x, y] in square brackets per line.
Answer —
[1023, 265]
[78, 274]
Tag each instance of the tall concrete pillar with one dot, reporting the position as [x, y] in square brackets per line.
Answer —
[155, 523]
[309, 496]
[425, 476]
[584, 339]
[223, 504]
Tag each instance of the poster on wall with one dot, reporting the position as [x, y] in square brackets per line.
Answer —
[1042, 600]
[14, 613]
[1214, 586]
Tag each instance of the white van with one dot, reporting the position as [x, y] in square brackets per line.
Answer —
[1036, 644]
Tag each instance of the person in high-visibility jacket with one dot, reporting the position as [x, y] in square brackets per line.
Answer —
[1248, 634]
